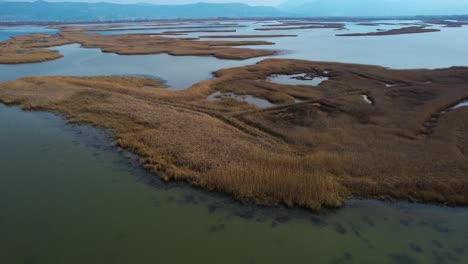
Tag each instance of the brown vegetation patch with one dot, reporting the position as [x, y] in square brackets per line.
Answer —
[308, 153]
[372, 24]
[291, 26]
[247, 36]
[446, 23]
[145, 44]
[30, 48]
[377, 148]
[196, 31]
[105, 28]
[400, 31]
[299, 24]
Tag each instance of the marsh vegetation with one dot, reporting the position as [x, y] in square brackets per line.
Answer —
[279, 132]
[287, 153]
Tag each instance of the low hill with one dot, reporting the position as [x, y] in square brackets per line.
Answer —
[68, 11]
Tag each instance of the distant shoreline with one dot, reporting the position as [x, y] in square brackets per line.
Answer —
[316, 19]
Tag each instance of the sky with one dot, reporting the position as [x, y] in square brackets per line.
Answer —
[172, 2]
[329, 7]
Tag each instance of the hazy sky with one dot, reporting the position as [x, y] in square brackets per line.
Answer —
[173, 2]
[358, 3]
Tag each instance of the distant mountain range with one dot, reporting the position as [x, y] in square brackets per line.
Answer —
[73, 11]
[373, 8]
[78, 11]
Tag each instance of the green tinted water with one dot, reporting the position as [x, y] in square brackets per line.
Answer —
[68, 196]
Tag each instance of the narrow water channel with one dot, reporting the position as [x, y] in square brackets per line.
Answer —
[67, 195]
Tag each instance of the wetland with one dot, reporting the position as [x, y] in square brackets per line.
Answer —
[125, 127]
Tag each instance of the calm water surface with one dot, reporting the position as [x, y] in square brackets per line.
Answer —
[428, 50]
[179, 72]
[68, 196]
[7, 32]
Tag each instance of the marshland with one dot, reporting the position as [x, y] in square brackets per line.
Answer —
[292, 145]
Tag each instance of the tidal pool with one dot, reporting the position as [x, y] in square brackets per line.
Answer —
[68, 196]
[463, 103]
[262, 103]
[297, 79]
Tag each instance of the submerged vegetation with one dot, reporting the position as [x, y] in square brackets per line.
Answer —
[317, 146]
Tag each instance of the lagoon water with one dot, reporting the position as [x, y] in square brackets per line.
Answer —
[8, 32]
[428, 50]
[178, 72]
[68, 196]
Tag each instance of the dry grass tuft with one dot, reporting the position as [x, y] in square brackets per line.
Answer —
[269, 178]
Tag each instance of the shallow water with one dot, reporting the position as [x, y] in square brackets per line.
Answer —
[296, 79]
[367, 99]
[262, 103]
[461, 104]
[67, 196]
[428, 50]
[179, 72]
[7, 32]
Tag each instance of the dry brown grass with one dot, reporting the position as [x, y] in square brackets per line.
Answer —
[248, 36]
[29, 48]
[386, 149]
[311, 154]
[299, 25]
[400, 31]
[294, 181]
[147, 44]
